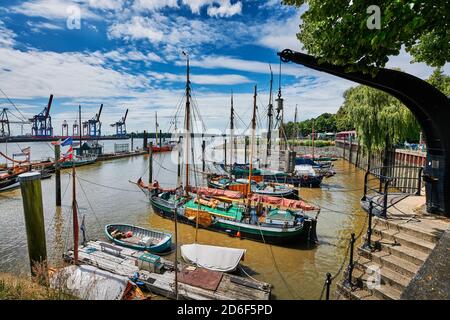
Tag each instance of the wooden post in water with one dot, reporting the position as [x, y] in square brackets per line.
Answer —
[57, 174]
[144, 145]
[132, 141]
[30, 185]
[150, 163]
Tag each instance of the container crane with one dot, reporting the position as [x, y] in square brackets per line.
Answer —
[42, 122]
[95, 126]
[121, 128]
[5, 129]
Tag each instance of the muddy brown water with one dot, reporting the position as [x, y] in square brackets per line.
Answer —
[105, 195]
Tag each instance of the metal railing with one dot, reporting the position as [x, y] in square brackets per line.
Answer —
[382, 181]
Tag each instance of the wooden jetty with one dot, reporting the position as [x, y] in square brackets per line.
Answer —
[125, 261]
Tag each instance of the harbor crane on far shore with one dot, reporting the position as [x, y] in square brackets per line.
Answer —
[42, 122]
[121, 127]
[94, 124]
[5, 129]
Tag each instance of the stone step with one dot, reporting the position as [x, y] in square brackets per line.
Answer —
[424, 230]
[356, 294]
[392, 262]
[414, 256]
[387, 276]
[383, 291]
[402, 238]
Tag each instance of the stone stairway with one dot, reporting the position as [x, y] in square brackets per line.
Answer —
[403, 243]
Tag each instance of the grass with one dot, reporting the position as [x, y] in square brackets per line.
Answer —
[308, 143]
[14, 287]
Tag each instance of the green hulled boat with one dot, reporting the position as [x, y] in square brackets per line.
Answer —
[269, 225]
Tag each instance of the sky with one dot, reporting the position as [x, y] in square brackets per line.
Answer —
[127, 54]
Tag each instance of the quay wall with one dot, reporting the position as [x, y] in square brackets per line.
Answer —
[401, 160]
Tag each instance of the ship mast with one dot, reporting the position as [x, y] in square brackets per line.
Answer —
[231, 131]
[270, 118]
[249, 190]
[156, 129]
[187, 122]
[80, 129]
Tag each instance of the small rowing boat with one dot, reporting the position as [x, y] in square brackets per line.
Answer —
[139, 238]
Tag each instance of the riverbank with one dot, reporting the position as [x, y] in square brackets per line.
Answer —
[22, 287]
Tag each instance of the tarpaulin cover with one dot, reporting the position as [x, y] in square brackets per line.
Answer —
[218, 193]
[288, 203]
[89, 283]
[212, 257]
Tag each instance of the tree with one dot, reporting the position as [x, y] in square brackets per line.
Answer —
[441, 81]
[336, 31]
[380, 120]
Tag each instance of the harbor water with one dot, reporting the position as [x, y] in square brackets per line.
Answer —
[106, 195]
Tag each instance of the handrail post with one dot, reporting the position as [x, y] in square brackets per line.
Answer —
[328, 284]
[419, 185]
[365, 185]
[385, 198]
[368, 243]
[348, 281]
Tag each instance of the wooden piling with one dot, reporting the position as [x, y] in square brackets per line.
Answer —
[30, 185]
[57, 175]
[150, 163]
[145, 146]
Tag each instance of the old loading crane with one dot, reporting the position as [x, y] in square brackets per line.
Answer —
[42, 122]
[94, 124]
[121, 128]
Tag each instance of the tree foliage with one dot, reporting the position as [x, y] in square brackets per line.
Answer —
[336, 31]
[441, 81]
[380, 120]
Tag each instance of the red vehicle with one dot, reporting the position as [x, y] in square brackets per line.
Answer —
[345, 135]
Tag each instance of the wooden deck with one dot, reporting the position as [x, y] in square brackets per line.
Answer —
[124, 262]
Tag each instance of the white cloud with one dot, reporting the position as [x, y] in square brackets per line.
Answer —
[52, 9]
[225, 9]
[204, 79]
[40, 26]
[420, 70]
[232, 63]
[38, 73]
[221, 8]
[106, 4]
[6, 36]
[154, 4]
[138, 28]
[281, 34]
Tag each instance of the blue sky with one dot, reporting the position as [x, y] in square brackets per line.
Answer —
[127, 54]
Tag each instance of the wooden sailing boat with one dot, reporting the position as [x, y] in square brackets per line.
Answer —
[159, 146]
[261, 223]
